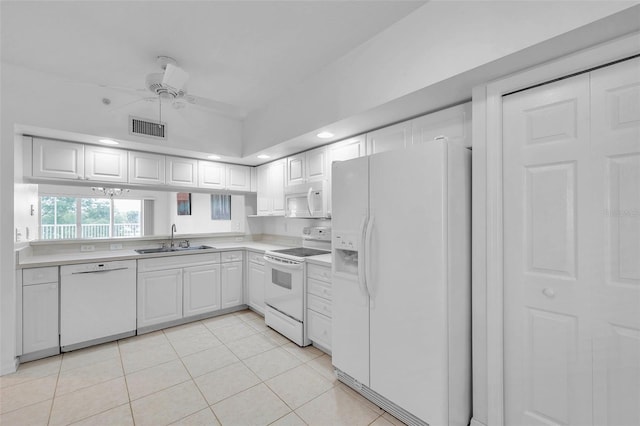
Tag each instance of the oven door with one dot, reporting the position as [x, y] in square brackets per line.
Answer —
[284, 286]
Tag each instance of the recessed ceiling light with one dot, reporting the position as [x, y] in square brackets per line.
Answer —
[263, 156]
[325, 135]
[213, 157]
[109, 142]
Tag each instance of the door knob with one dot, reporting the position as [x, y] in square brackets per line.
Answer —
[549, 292]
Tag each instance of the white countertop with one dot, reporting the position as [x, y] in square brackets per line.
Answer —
[100, 256]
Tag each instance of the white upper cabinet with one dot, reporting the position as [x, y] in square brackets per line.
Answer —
[145, 168]
[211, 175]
[105, 164]
[181, 171]
[389, 138]
[307, 166]
[238, 177]
[55, 159]
[341, 151]
[271, 188]
[453, 123]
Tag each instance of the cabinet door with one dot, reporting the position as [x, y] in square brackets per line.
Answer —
[146, 168]
[389, 138]
[39, 317]
[342, 151]
[159, 297]
[105, 164]
[453, 123]
[319, 329]
[211, 175]
[277, 174]
[201, 292]
[263, 196]
[316, 164]
[295, 169]
[238, 178]
[55, 159]
[231, 284]
[181, 171]
[256, 286]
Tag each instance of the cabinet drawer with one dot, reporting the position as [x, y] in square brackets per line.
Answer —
[319, 329]
[319, 288]
[231, 256]
[256, 258]
[40, 275]
[318, 304]
[317, 272]
[177, 261]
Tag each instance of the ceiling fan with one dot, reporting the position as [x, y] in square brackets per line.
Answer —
[169, 86]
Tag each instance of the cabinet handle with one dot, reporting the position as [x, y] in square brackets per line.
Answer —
[549, 292]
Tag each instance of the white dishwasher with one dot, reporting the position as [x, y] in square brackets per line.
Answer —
[97, 303]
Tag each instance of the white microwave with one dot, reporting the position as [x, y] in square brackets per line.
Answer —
[308, 200]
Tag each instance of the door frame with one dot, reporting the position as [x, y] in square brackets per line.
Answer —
[487, 246]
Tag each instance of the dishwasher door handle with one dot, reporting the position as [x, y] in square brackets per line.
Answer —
[99, 271]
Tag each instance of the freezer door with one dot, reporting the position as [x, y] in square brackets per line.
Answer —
[350, 310]
[408, 336]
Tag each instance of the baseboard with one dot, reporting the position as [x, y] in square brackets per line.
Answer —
[10, 367]
[475, 422]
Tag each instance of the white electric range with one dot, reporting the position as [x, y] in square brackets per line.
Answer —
[285, 283]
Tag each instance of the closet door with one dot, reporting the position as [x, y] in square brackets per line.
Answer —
[549, 259]
[615, 125]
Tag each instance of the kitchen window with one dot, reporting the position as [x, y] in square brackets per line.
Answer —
[63, 218]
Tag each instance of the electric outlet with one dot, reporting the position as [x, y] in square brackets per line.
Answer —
[87, 247]
[238, 238]
[116, 246]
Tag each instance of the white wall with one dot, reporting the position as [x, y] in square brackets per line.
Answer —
[438, 41]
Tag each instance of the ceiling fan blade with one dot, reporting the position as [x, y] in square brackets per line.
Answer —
[126, 104]
[221, 108]
[175, 77]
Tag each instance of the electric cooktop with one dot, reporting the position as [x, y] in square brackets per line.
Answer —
[301, 252]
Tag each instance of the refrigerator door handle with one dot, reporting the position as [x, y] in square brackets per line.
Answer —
[367, 261]
[309, 201]
[361, 259]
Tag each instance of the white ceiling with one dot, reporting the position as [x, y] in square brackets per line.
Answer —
[242, 53]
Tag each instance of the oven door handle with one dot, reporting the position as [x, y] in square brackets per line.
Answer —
[274, 261]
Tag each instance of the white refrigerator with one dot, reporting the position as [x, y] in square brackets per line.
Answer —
[401, 281]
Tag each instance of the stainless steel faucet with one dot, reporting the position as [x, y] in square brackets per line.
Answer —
[173, 229]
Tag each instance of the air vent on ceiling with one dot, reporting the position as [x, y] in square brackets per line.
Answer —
[143, 127]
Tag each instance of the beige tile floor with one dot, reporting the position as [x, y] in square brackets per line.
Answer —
[229, 370]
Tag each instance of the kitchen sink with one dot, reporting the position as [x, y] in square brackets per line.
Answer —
[171, 249]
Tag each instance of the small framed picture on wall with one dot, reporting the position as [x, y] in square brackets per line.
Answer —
[184, 203]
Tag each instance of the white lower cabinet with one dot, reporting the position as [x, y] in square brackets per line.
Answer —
[319, 305]
[231, 280]
[201, 292]
[255, 282]
[40, 310]
[159, 297]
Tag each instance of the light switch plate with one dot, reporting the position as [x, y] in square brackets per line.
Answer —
[117, 246]
[87, 247]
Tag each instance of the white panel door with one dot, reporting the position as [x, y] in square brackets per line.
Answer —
[159, 297]
[39, 317]
[105, 164]
[145, 168]
[256, 286]
[201, 289]
[350, 309]
[296, 169]
[453, 124]
[549, 211]
[342, 151]
[389, 138]
[316, 164]
[407, 280]
[615, 160]
[211, 175]
[55, 159]
[181, 171]
[277, 173]
[231, 279]
[238, 178]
